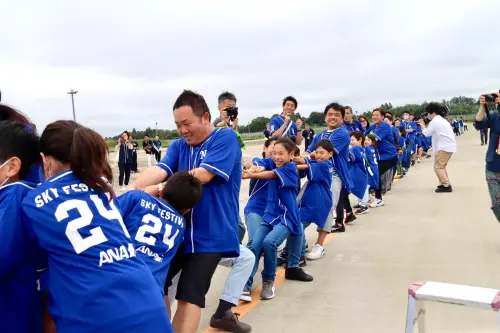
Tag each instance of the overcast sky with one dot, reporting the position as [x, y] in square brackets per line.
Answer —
[130, 59]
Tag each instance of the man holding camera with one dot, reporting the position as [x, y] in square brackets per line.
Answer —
[443, 142]
[228, 114]
[492, 122]
[282, 125]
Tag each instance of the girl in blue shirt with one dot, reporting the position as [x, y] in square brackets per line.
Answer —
[20, 302]
[402, 143]
[281, 217]
[358, 171]
[371, 167]
[96, 282]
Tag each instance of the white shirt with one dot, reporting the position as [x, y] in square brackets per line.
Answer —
[442, 134]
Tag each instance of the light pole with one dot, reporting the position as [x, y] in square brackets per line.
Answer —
[156, 129]
[72, 93]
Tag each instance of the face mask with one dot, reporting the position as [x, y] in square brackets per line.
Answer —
[6, 179]
[406, 117]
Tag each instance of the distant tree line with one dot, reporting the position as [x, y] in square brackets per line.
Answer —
[461, 105]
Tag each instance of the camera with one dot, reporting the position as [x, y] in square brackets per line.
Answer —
[490, 98]
[425, 117]
[232, 112]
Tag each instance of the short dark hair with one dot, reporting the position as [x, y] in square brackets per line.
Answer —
[348, 107]
[8, 113]
[83, 149]
[182, 191]
[268, 142]
[374, 140]
[380, 110]
[287, 143]
[359, 136]
[436, 108]
[325, 144]
[226, 95]
[290, 99]
[389, 116]
[336, 107]
[194, 100]
[19, 140]
[407, 112]
[402, 130]
[296, 151]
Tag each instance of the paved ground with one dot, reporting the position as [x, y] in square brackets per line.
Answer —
[361, 283]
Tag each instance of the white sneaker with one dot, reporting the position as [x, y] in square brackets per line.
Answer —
[316, 252]
[376, 203]
[123, 189]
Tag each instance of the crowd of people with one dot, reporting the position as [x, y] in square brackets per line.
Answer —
[75, 257]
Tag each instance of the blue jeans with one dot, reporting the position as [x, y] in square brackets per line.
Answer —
[253, 221]
[296, 247]
[266, 240]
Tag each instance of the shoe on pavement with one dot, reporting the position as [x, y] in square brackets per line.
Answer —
[230, 323]
[362, 210]
[377, 203]
[357, 206]
[444, 189]
[282, 258]
[350, 218]
[297, 274]
[317, 251]
[302, 262]
[123, 189]
[246, 295]
[267, 290]
[338, 228]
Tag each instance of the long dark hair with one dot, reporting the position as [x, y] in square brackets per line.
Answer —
[83, 149]
[367, 121]
[374, 141]
[8, 113]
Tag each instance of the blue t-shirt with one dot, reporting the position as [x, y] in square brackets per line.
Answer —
[278, 121]
[372, 166]
[214, 220]
[355, 126]
[156, 228]
[20, 309]
[358, 171]
[316, 202]
[282, 199]
[341, 141]
[386, 145]
[493, 123]
[96, 283]
[410, 125]
[257, 192]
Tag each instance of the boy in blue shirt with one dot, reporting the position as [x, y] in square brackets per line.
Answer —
[283, 126]
[20, 302]
[214, 157]
[410, 130]
[157, 225]
[350, 124]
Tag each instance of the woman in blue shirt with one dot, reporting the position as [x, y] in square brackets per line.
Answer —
[388, 154]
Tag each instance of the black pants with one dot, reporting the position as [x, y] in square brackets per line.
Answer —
[134, 162]
[484, 136]
[383, 167]
[124, 171]
[343, 203]
[158, 156]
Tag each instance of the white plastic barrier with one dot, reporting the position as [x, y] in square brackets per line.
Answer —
[420, 292]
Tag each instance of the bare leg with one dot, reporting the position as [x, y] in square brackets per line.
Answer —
[321, 237]
[169, 309]
[187, 317]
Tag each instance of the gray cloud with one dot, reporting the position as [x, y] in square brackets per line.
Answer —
[129, 60]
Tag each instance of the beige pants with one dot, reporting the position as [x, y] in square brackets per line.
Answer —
[441, 159]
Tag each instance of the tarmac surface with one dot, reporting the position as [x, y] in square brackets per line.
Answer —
[361, 283]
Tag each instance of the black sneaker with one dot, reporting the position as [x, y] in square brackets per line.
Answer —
[362, 210]
[338, 228]
[444, 189]
[282, 258]
[357, 206]
[350, 218]
[412, 163]
[230, 323]
[297, 274]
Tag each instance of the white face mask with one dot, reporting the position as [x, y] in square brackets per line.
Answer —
[6, 179]
[406, 117]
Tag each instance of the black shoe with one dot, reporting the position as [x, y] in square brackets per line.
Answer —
[444, 189]
[439, 186]
[282, 258]
[302, 262]
[350, 218]
[338, 228]
[357, 206]
[297, 274]
[412, 163]
[230, 323]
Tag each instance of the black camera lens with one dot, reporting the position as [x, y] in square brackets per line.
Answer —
[490, 98]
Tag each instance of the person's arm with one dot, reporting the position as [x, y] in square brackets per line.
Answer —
[258, 175]
[274, 123]
[482, 110]
[411, 129]
[299, 160]
[235, 124]
[202, 174]
[298, 123]
[302, 167]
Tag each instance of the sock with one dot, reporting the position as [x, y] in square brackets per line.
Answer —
[222, 309]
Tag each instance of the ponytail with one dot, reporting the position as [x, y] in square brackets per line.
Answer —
[89, 160]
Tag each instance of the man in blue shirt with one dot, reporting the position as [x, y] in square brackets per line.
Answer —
[341, 180]
[351, 125]
[410, 128]
[282, 125]
[214, 157]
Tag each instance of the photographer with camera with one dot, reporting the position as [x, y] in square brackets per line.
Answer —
[443, 141]
[484, 120]
[228, 114]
